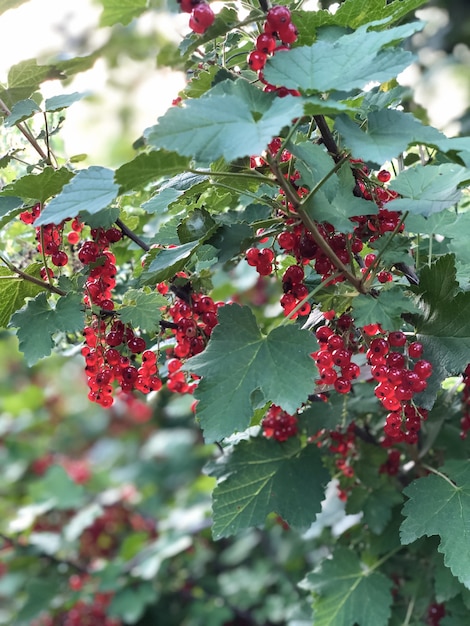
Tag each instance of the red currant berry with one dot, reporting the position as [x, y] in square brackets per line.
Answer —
[278, 17]
[265, 43]
[415, 350]
[383, 176]
[257, 60]
[203, 15]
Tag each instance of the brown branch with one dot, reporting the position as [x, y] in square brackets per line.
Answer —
[33, 279]
[312, 228]
[327, 137]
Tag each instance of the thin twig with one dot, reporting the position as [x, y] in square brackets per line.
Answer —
[33, 279]
[311, 226]
[23, 128]
[131, 234]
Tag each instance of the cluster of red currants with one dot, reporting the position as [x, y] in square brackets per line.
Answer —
[278, 33]
[102, 276]
[293, 301]
[50, 240]
[111, 346]
[399, 379]
[193, 319]
[261, 259]
[333, 359]
[278, 424]
[202, 16]
[110, 356]
[465, 421]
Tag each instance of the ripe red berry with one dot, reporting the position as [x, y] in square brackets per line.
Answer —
[257, 60]
[415, 350]
[265, 43]
[203, 15]
[384, 176]
[396, 338]
[60, 258]
[288, 33]
[278, 17]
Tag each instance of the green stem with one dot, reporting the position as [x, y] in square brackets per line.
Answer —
[409, 611]
[372, 270]
[300, 304]
[321, 182]
[440, 474]
[258, 177]
[23, 128]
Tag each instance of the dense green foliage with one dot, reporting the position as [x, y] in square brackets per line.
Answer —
[237, 367]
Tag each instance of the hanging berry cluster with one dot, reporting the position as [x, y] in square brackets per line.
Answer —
[50, 240]
[202, 16]
[400, 378]
[193, 318]
[333, 359]
[279, 33]
[278, 424]
[112, 347]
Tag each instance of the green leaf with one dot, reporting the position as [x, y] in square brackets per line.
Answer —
[90, 190]
[314, 165]
[142, 309]
[263, 476]
[38, 322]
[10, 207]
[129, 603]
[437, 284]
[342, 206]
[378, 507]
[428, 189]
[39, 187]
[444, 326]
[57, 487]
[39, 593]
[386, 309]
[236, 121]
[355, 14]
[224, 22]
[148, 168]
[121, 11]
[57, 103]
[393, 249]
[349, 593]
[167, 262]
[24, 79]
[199, 224]
[439, 504]
[438, 223]
[242, 369]
[160, 202]
[21, 111]
[350, 62]
[389, 133]
[352, 14]
[14, 290]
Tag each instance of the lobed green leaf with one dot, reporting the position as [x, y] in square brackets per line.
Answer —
[276, 367]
